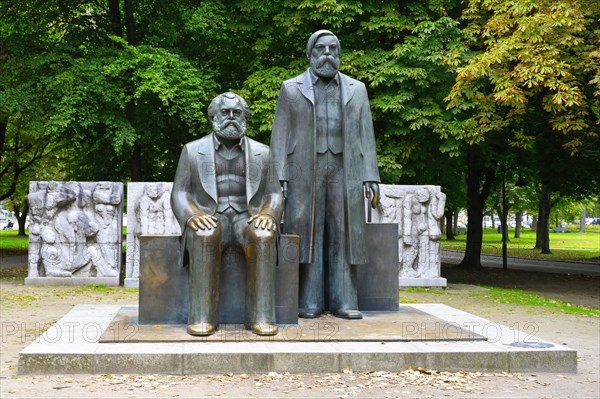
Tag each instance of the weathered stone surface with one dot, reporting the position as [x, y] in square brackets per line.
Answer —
[148, 212]
[417, 210]
[72, 346]
[75, 231]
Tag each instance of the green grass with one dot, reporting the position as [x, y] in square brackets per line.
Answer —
[522, 297]
[9, 241]
[506, 295]
[573, 245]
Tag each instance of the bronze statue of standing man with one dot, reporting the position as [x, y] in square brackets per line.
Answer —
[324, 149]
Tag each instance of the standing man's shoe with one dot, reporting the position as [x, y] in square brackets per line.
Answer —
[348, 314]
[310, 313]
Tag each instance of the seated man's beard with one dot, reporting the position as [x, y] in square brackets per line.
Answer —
[229, 129]
[325, 66]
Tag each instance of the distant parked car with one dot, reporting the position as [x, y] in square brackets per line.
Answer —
[560, 230]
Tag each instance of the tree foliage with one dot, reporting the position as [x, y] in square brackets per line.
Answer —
[458, 90]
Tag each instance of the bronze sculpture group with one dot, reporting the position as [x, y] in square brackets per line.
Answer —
[229, 191]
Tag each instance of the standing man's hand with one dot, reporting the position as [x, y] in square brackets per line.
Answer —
[202, 222]
[372, 191]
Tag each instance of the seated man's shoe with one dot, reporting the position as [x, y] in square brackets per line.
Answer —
[310, 313]
[347, 314]
[264, 329]
[201, 329]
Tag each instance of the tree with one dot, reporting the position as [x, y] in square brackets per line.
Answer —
[19, 151]
[123, 102]
[528, 79]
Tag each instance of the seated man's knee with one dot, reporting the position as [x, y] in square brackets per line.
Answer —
[206, 234]
[260, 235]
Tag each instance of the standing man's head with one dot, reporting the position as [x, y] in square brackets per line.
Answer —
[323, 50]
[228, 113]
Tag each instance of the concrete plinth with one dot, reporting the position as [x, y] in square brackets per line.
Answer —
[422, 282]
[72, 345]
[132, 282]
[108, 281]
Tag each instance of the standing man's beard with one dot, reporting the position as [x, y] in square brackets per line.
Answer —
[325, 66]
[229, 129]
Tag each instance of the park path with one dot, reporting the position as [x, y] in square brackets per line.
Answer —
[448, 257]
[534, 265]
[8, 262]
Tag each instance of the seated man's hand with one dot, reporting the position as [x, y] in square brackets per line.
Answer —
[264, 222]
[202, 222]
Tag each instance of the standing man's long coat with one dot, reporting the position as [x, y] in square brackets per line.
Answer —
[293, 148]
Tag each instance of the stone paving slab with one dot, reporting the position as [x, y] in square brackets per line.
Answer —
[407, 324]
[72, 346]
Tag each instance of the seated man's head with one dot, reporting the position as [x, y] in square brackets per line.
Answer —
[228, 113]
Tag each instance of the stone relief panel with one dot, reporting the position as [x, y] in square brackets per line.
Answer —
[149, 213]
[75, 229]
[417, 210]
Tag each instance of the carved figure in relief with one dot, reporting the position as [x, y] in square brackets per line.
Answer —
[106, 254]
[153, 212]
[54, 265]
[36, 199]
[421, 214]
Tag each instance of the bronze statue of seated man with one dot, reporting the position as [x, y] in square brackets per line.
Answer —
[225, 194]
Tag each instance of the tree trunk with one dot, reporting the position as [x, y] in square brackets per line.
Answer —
[475, 206]
[3, 126]
[493, 226]
[582, 220]
[136, 153]
[21, 217]
[443, 225]
[449, 226]
[542, 234]
[115, 17]
[534, 222]
[518, 223]
[500, 217]
[455, 222]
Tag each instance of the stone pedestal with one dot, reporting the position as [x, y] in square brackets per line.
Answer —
[78, 281]
[417, 210]
[164, 283]
[149, 213]
[423, 282]
[93, 339]
[378, 280]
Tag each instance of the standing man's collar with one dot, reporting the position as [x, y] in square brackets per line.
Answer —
[314, 78]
